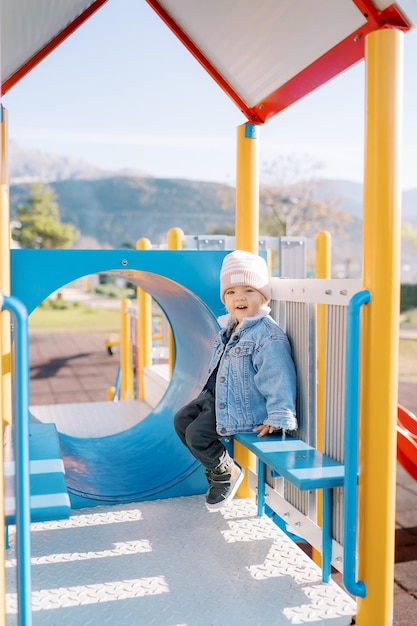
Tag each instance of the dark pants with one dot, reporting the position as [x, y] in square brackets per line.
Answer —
[195, 425]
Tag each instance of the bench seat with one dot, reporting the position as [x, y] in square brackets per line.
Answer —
[304, 467]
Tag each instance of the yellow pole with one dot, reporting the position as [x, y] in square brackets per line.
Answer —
[126, 378]
[110, 393]
[247, 235]
[323, 270]
[247, 188]
[144, 329]
[5, 342]
[381, 275]
[175, 241]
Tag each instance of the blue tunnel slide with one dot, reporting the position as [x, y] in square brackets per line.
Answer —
[147, 461]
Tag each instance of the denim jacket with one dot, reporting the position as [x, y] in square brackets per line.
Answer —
[256, 378]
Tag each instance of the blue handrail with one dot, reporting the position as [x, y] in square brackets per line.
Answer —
[20, 363]
[356, 588]
[116, 393]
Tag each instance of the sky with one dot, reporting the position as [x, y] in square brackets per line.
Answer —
[123, 92]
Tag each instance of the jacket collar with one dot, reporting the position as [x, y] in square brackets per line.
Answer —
[228, 322]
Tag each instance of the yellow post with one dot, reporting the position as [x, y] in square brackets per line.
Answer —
[5, 343]
[247, 188]
[110, 393]
[126, 377]
[247, 234]
[175, 240]
[323, 270]
[381, 275]
[144, 329]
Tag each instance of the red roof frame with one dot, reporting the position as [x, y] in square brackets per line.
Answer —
[341, 57]
[50, 46]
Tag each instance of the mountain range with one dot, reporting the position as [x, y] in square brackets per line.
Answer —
[111, 208]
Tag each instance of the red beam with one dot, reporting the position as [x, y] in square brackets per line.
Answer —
[203, 60]
[50, 46]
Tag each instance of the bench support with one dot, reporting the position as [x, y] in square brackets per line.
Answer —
[306, 468]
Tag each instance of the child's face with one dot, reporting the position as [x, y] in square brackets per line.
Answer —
[243, 301]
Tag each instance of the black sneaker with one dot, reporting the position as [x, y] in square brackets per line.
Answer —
[208, 474]
[224, 486]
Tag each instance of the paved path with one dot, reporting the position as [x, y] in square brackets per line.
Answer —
[77, 368]
[73, 367]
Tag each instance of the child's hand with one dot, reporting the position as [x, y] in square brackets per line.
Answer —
[264, 429]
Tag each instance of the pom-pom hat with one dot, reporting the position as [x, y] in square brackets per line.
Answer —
[244, 268]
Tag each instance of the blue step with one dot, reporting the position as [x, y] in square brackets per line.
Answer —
[49, 498]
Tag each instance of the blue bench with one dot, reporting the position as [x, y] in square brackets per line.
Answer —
[49, 499]
[303, 466]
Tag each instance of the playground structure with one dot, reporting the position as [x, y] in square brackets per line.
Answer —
[142, 318]
[134, 380]
[364, 525]
[407, 440]
[155, 378]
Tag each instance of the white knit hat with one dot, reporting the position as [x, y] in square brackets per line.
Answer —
[244, 268]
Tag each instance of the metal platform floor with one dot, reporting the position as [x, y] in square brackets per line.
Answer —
[173, 563]
[92, 419]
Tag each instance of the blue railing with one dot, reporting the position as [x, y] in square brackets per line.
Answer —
[20, 376]
[116, 393]
[353, 586]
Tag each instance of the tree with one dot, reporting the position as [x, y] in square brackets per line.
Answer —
[226, 229]
[409, 234]
[292, 203]
[38, 222]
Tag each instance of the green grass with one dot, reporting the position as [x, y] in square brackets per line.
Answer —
[75, 318]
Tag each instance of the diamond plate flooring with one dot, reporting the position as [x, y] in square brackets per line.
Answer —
[173, 563]
[75, 367]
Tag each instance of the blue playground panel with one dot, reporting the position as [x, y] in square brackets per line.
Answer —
[148, 461]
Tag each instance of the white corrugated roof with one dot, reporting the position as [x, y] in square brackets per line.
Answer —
[31, 29]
